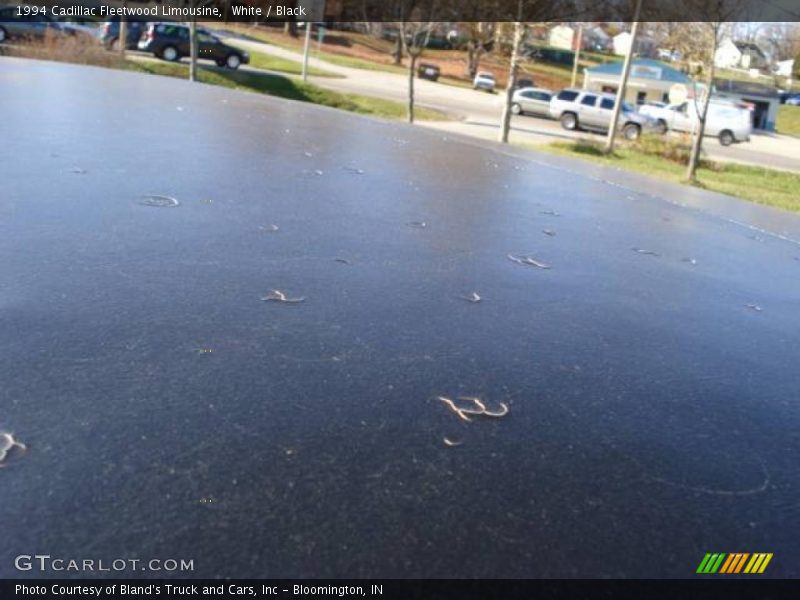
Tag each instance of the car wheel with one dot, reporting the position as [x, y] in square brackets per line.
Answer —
[3, 35]
[516, 109]
[233, 61]
[661, 127]
[170, 53]
[631, 132]
[569, 121]
[726, 138]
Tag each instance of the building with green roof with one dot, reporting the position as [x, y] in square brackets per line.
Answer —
[649, 81]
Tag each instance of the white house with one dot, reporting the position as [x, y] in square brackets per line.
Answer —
[622, 41]
[744, 55]
[561, 36]
[784, 68]
[727, 55]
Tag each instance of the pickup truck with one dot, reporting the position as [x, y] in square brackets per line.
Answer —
[727, 121]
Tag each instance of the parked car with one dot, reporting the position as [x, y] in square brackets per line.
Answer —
[109, 34]
[531, 100]
[525, 83]
[793, 100]
[484, 81]
[170, 41]
[580, 109]
[428, 71]
[727, 121]
[24, 27]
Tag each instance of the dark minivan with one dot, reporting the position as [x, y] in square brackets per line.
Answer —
[170, 41]
[109, 34]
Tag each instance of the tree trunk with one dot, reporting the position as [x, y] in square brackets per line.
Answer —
[474, 51]
[123, 36]
[412, 63]
[697, 142]
[505, 125]
[398, 49]
[577, 56]
[623, 82]
[193, 50]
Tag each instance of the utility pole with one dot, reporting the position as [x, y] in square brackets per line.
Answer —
[626, 69]
[577, 56]
[306, 45]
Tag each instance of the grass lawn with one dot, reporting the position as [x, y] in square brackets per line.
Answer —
[276, 38]
[260, 60]
[285, 87]
[551, 75]
[763, 186]
[788, 120]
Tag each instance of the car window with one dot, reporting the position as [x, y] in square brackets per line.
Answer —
[173, 31]
[589, 100]
[607, 104]
[206, 38]
[567, 96]
[542, 96]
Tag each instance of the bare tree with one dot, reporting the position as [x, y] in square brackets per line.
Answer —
[716, 13]
[402, 9]
[290, 25]
[415, 37]
[505, 123]
[781, 40]
[123, 34]
[193, 48]
[544, 10]
[479, 36]
[623, 81]
[577, 57]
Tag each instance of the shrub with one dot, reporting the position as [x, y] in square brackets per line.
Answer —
[674, 150]
[71, 49]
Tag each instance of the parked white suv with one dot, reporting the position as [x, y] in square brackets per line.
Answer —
[580, 109]
[727, 121]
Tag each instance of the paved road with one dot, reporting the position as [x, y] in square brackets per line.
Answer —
[170, 412]
[479, 112]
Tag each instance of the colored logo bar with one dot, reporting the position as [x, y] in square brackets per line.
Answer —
[736, 562]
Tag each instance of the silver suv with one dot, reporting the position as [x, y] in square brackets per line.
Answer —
[580, 109]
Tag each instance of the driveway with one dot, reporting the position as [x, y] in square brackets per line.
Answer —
[649, 375]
